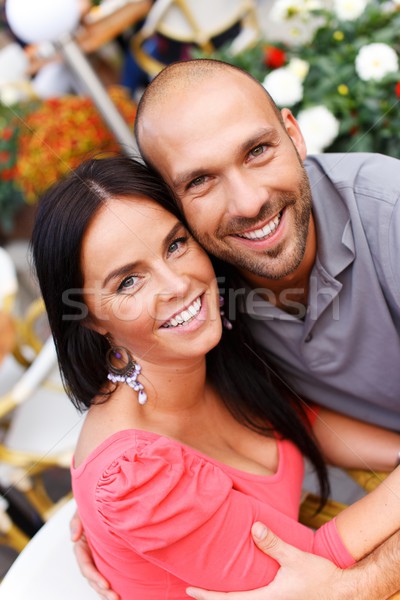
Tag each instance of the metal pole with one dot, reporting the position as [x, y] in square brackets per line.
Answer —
[82, 69]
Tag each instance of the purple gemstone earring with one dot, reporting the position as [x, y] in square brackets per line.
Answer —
[126, 374]
[225, 321]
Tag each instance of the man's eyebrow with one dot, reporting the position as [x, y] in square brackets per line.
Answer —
[271, 133]
[132, 266]
[188, 176]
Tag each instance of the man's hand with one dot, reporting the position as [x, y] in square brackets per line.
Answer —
[302, 576]
[85, 561]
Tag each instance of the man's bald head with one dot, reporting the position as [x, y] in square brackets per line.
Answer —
[176, 80]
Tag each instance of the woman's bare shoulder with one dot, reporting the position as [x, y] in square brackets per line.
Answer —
[106, 416]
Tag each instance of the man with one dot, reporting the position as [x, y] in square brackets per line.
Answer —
[315, 247]
[328, 302]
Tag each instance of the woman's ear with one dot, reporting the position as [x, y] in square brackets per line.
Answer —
[91, 323]
[294, 132]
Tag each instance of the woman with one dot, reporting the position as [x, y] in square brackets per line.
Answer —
[187, 441]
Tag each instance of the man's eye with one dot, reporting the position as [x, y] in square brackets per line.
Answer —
[258, 150]
[197, 181]
[128, 283]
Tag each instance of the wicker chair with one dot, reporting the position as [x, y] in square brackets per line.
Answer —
[197, 23]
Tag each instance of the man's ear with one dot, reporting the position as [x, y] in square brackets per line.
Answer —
[294, 132]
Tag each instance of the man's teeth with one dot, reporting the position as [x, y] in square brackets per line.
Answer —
[259, 234]
[185, 316]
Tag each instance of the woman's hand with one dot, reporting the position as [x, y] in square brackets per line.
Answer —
[86, 563]
[302, 576]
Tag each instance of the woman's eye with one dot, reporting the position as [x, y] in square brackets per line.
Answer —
[128, 283]
[177, 245]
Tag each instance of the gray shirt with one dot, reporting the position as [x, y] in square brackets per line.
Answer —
[345, 351]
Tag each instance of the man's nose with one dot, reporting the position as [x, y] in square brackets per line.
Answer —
[246, 194]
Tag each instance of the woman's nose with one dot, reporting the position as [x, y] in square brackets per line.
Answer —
[173, 284]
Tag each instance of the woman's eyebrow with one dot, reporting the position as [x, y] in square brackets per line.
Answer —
[172, 234]
[132, 266]
[120, 272]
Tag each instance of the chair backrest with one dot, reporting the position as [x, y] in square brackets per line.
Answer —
[190, 21]
[44, 422]
[47, 569]
[8, 281]
[197, 22]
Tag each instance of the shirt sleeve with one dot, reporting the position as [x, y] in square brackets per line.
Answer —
[182, 513]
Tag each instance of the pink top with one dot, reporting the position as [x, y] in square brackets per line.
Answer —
[160, 516]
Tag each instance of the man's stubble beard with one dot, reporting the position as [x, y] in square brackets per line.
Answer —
[274, 263]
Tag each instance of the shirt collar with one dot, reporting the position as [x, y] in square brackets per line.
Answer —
[335, 241]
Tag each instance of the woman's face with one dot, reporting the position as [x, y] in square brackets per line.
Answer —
[148, 285]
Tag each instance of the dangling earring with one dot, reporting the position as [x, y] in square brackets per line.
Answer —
[225, 321]
[126, 374]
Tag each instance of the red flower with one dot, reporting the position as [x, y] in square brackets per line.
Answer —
[274, 57]
[397, 89]
[54, 102]
[7, 133]
[7, 174]
[4, 157]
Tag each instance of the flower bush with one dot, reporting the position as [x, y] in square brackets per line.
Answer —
[40, 141]
[11, 197]
[338, 72]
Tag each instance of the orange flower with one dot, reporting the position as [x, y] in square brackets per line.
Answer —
[60, 134]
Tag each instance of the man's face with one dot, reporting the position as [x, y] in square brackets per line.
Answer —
[236, 171]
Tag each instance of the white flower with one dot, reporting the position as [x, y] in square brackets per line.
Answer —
[284, 86]
[281, 10]
[319, 127]
[349, 10]
[389, 6]
[293, 22]
[287, 9]
[299, 68]
[9, 94]
[374, 61]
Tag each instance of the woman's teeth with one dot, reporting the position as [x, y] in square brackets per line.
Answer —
[185, 316]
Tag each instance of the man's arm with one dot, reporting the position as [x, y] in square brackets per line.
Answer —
[304, 576]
